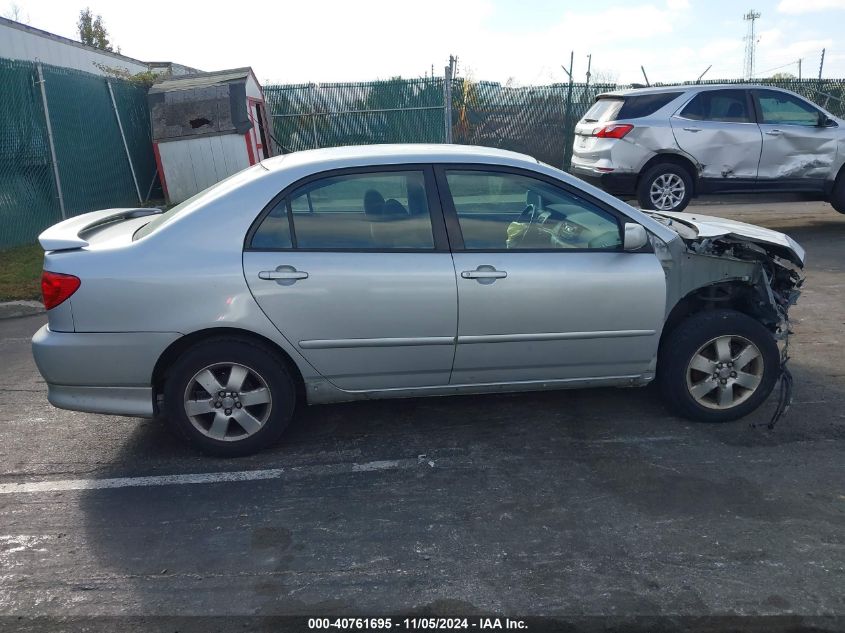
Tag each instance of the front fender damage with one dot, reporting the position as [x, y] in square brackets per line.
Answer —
[751, 274]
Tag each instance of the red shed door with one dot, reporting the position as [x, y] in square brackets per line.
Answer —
[257, 139]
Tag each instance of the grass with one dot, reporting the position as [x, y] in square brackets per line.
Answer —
[20, 272]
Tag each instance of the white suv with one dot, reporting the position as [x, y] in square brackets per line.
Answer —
[666, 145]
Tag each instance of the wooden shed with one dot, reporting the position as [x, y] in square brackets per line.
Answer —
[206, 127]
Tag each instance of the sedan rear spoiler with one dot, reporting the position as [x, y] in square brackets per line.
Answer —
[66, 234]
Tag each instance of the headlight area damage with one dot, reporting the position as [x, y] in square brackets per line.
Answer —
[721, 263]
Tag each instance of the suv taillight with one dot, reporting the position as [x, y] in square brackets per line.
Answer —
[56, 287]
[614, 130]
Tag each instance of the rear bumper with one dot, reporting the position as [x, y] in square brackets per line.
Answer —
[132, 401]
[100, 372]
[617, 184]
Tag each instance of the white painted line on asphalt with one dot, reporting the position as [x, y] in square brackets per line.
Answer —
[60, 485]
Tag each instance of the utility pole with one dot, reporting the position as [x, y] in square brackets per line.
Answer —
[698, 81]
[799, 68]
[750, 42]
[642, 68]
[821, 65]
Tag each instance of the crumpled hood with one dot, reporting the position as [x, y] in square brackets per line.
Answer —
[711, 227]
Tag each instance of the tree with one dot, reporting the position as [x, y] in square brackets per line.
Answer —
[92, 32]
[777, 76]
[16, 13]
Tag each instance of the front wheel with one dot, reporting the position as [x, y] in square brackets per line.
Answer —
[665, 187]
[837, 196]
[229, 397]
[717, 366]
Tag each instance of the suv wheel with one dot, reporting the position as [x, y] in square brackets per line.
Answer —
[229, 397]
[665, 187]
[837, 196]
[717, 366]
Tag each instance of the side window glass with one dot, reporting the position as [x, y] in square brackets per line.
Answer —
[782, 109]
[729, 106]
[274, 231]
[509, 211]
[372, 211]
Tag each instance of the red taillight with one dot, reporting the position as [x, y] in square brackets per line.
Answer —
[56, 287]
[614, 130]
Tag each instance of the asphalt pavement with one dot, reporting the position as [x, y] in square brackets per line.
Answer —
[571, 503]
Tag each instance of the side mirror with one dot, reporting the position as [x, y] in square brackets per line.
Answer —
[635, 237]
[825, 121]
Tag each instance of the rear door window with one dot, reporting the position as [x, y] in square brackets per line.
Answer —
[729, 106]
[371, 211]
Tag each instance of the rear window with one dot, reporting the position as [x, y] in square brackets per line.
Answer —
[630, 107]
[603, 110]
[718, 105]
[160, 220]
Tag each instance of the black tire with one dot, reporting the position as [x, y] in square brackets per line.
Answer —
[687, 339]
[262, 365]
[837, 196]
[662, 170]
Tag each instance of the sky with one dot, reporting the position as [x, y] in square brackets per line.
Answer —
[525, 42]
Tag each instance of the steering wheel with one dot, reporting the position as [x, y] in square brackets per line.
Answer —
[527, 214]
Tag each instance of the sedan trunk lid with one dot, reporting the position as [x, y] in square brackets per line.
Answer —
[97, 226]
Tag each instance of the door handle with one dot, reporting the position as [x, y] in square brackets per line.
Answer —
[484, 274]
[692, 129]
[284, 275]
[773, 132]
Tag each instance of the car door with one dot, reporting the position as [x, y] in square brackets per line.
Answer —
[797, 151]
[353, 267]
[545, 291]
[717, 128]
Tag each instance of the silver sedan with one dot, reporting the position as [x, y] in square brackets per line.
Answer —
[403, 271]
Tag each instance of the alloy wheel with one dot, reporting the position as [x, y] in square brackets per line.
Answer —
[667, 191]
[724, 372]
[228, 401]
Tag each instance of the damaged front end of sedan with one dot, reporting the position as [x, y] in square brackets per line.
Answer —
[719, 263]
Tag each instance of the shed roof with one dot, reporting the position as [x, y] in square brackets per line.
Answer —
[202, 80]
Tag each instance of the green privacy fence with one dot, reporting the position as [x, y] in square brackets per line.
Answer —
[536, 120]
[328, 115]
[91, 161]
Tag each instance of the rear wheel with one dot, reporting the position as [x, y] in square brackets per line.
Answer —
[229, 397]
[717, 366]
[665, 187]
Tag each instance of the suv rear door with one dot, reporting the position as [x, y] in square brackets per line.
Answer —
[717, 128]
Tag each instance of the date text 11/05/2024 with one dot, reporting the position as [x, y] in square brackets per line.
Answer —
[424, 623]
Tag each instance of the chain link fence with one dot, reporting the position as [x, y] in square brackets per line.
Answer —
[306, 116]
[101, 142]
[535, 120]
[88, 166]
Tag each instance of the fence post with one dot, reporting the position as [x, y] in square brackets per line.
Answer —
[50, 141]
[570, 130]
[125, 145]
[447, 102]
[313, 101]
